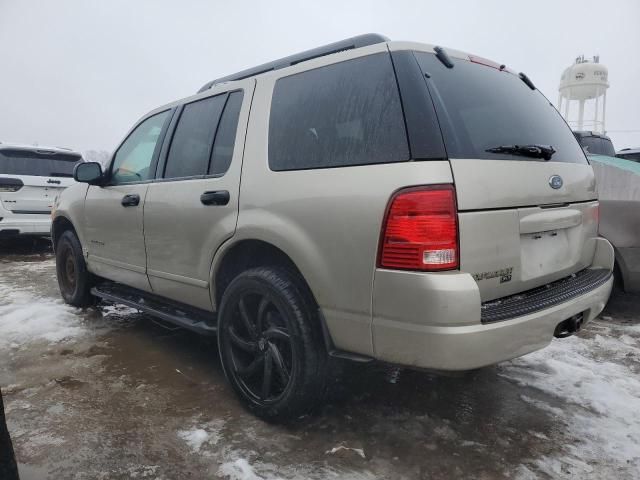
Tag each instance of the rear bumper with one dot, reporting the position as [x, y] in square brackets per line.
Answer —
[27, 224]
[434, 320]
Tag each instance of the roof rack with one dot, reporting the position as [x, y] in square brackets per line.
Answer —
[348, 44]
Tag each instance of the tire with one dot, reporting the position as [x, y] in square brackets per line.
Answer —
[618, 279]
[74, 280]
[271, 345]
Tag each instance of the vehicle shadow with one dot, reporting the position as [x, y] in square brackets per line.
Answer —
[25, 247]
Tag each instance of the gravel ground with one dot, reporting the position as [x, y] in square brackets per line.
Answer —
[108, 393]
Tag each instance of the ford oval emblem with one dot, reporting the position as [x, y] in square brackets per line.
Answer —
[555, 182]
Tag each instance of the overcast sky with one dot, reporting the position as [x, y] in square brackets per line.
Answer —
[78, 73]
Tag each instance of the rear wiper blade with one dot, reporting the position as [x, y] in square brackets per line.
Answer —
[534, 151]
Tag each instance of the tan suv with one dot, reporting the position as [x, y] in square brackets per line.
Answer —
[365, 200]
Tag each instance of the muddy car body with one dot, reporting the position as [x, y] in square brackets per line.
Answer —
[346, 201]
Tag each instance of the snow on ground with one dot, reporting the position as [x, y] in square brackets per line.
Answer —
[238, 470]
[597, 378]
[197, 436]
[26, 316]
[118, 310]
[238, 463]
[241, 469]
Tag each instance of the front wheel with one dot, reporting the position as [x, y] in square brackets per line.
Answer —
[74, 280]
[271, 345]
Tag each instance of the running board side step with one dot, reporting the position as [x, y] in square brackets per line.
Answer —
[176, 313]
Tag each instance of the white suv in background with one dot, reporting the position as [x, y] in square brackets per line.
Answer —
[30, 179]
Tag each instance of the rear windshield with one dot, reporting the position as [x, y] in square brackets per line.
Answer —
[24, 162]
[481, 107]
[597, 145]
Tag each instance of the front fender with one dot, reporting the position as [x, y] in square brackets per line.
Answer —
[70, 206]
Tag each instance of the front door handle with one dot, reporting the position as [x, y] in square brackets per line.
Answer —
[219, 197]
[132, 200]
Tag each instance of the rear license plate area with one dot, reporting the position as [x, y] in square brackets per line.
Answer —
[543, 253]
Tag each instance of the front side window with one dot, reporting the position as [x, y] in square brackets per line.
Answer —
[132, 161]
[344, 114]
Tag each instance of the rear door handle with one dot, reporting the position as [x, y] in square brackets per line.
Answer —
[219, 197]
[132, 200]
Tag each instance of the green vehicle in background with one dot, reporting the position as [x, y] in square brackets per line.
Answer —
[619, 191]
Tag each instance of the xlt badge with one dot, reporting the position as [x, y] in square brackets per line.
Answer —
[504, 274]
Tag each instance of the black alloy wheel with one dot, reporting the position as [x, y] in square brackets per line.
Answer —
[270, 343]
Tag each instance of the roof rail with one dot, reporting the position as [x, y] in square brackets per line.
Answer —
[348, 44]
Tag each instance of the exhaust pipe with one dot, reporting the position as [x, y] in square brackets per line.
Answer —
[569, 327]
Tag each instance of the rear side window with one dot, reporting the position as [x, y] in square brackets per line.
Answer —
[340, 115]
[38, 164]
[481, 108]
[193, 137]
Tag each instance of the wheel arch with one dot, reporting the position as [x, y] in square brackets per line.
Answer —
[59, 225]
[251, 253]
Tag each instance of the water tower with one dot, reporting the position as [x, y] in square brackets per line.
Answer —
[584, 81]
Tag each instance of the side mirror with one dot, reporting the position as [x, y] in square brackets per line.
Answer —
[88, 172]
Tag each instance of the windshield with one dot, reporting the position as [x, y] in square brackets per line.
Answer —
[25, 162]
[597, 145]
[481, 108]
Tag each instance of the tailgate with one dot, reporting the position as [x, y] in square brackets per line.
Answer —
[521, 238]
[33, 177]
[34, 196]
[528, 213]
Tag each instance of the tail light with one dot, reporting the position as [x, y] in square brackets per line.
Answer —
[420, 230]
[10, 184]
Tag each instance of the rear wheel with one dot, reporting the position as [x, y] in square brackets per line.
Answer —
[74, 280]
[270, 344]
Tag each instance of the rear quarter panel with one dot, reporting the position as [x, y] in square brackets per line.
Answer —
[327, 220]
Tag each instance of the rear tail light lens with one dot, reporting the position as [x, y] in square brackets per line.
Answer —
[10, 184]
[420, 230]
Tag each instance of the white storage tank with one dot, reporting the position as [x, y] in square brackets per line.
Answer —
[584, 81]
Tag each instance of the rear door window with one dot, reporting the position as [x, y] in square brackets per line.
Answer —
[343, 114]
[39, 164]
[481, 107]
[192, 142]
